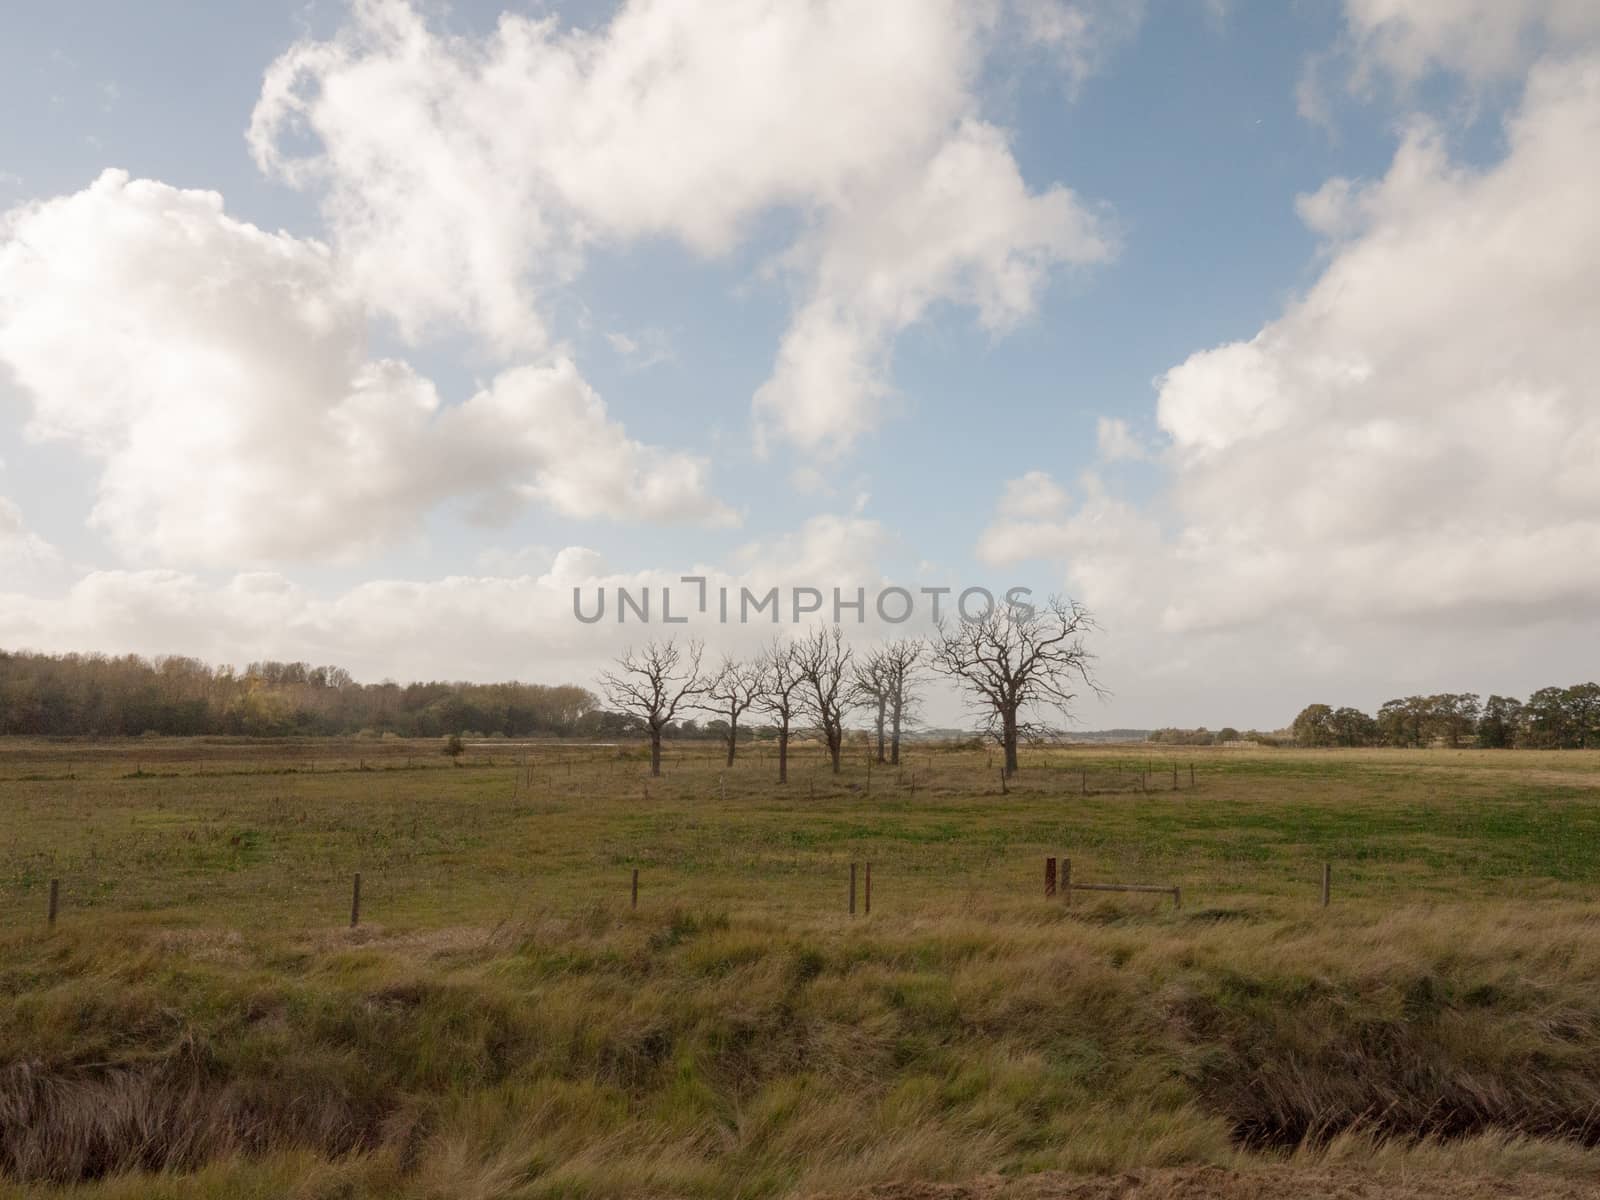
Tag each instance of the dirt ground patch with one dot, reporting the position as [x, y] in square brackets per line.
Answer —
[1217, 1183]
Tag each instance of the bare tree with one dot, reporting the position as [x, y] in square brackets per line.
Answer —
[884, 680]
[869, 688]
[733, 689]
[1017, 662]
[824, 663]
[653, 684]
[782, 693]
[902, 670]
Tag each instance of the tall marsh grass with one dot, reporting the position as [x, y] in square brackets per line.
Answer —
[704, 1054]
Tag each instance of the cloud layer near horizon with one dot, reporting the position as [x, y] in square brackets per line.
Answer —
[466, 626]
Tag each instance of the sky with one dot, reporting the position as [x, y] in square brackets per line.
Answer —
[365, 333]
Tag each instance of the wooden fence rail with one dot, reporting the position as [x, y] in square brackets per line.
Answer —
[1153, 888]
[1063, 883]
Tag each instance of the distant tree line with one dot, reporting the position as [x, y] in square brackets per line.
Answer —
[1201, 736]
[1553, 718]
[96, 695]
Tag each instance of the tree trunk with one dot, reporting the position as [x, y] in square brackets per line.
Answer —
[733, 740]
[894, 743]
[1008, 739]
[835, 745]
[783, 751]
[655, 752]
[883, 705]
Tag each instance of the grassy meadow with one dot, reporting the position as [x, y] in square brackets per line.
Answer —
[203, 1022]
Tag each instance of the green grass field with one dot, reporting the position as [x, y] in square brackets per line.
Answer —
[203, 1022]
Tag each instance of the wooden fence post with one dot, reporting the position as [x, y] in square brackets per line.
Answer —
[1084, 781]
[1327, 880]
[868, 895]
[1177, 899]
[1066, 881]
[1049, 876]
[1174, 776]
[55, 900]
[1191, 774]
[636, 887]
[355, 901]
[852, 889]
[1004, 790]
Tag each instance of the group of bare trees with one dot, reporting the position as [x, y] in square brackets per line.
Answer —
[1017, 666]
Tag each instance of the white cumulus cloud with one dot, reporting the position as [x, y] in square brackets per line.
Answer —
[1481, 39]
[1079, 35]
[1116, 441]
[219, 373]
[23, 553]
[466, 177]
[964, 226]
[1476, 44]
[1411, 446]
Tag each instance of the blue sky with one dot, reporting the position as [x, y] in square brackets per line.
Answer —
[1188, 135]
